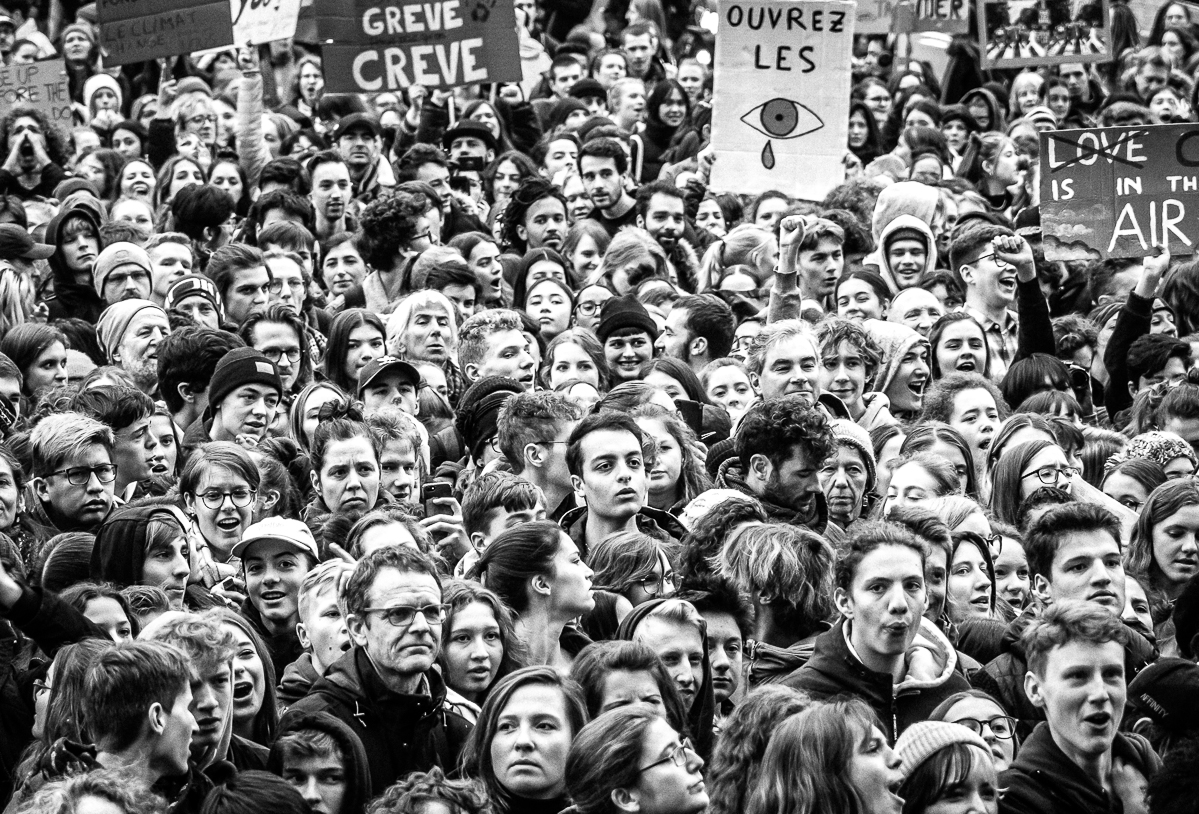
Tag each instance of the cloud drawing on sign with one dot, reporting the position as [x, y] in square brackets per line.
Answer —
[782, 119]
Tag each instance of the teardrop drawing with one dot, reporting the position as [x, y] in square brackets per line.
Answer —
[768, 156]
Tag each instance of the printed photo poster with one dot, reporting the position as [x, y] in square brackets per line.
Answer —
[371, 46]
[781, 105]
[1119, 191]
[945, 16]
[1019, 33]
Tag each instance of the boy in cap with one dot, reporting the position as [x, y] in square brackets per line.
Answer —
[276, 554]
[196, 296]
[243, 397]
[359, 140]
[388, 380]
[123, 271]
[628, 333]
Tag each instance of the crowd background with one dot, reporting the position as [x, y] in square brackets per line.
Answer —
[462, 451]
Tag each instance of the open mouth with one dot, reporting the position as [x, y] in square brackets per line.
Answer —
[228, 523]
[272, 596]
[1099, 719]
[917, 387]
[967, 365]
[242, 690]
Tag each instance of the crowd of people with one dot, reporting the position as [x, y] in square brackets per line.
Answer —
[462, 451]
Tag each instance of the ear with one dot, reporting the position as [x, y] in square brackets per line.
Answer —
[534, 455]
[576, 483]
[1042, 588]
[988, 167]
[760, 466]
[640, 222]
[185, 392]
[764, 598]
[522, 232]
[156, 716]
[540, 585]
[302, 635]
[843, 603]
[699, 346]
[471, 371]
[41, 489]
[269, 499]
[356, 625]
[626, 799]
[1133, 390]
[316, 481]
[1033, 689]
[966, 272]
[755, 381]
[477, 541]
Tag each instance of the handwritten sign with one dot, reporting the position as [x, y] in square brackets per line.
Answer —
[1017, 33]
[140, 30]
[378, 45]
[39, 85]
[262, 21]
[1119, 191]
[782, 83]
[946, 16]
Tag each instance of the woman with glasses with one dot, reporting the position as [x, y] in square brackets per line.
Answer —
[219, 485]
[518, 748]
[1024, 469]
[1165, 548]
[588, 304]
[537, 571]
[1130, 482]
[947, 769]
[634, 566]
[631, 759]
[983, 716]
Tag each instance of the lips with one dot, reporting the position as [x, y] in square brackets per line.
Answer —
[626, 494]
[1103, 598]
[243, 690]
[228, 523]
[272, 596]
[966, 365]
[1100, 719]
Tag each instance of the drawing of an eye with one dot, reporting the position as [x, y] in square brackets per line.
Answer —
[783, 119]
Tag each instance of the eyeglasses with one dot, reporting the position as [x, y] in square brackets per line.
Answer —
[275, 354]
[202, 119]
[425, 235]
[40, 687]
[402, 615]
[991, 256]
[80, 475]
[120, 278]
[215, 500]
[677, 756]
[589, 308]
[1049, 475]
[653, 585]
[1001, 726]
[277, 285]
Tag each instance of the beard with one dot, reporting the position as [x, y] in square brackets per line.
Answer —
[776, 493]
[144, 374]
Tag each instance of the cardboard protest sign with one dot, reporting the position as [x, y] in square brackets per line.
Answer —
[946, 16]
[781, 112]
[1017, 33]
[1119, 191]
[377, 45]
[261, 21]
[139, 30]
[874, 16]
[39, 85]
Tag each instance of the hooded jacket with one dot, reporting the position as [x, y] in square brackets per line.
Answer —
[731, 475]
[70, 298]
[1043, 780]
[702, 714]
[298, 678]
[400, 733]
[998, 120]
[357, 771]
[120, 550]
[895, 341]
[834, 670]
[930, 244]
[904, 198]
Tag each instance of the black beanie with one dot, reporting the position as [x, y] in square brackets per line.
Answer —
[624, 312]
[907, 233]
[479, 411]
[238, 367]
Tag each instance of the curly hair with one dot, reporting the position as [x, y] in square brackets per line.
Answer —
[701, 546]
[56, 139]
[418, 789]
[127, 791]
[530, 191]
[1072, 333]
[940, 396]
[389, 224]
[775, 427]
[832, 331]
[737, 758]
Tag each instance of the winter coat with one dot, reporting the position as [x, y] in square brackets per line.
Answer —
[730, 475]
[400, 733]
[835, 670]
[1043, 780]
[356, 763]
[297, 681]
[651, 521]
[930, 244]
[70, 298]
[285, 647]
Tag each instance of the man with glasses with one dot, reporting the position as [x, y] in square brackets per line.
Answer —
[278, 334]
[997, 267]
[122, 272]
[385, 689]
[1074, 555]
[73, 472]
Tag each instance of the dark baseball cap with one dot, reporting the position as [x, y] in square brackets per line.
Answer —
[15, 243]
[468, 127]
[357, 121]
[387, 364]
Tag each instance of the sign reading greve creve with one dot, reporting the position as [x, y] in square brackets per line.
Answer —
[372, 46]
[139, 30]
[1120, 191]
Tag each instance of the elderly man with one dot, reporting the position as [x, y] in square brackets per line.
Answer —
[129, 333]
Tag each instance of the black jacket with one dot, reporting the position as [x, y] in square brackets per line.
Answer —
[284, 647]
[357, 772]
[70, 298]
[1042, 780]
[400, 733]
[835, 670]
[651, 521]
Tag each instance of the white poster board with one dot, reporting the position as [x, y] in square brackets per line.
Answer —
[780, 116]
[261, 21]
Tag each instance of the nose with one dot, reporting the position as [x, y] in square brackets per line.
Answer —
[893, 760]
[896, 602]
[310, 792]
[284, 362]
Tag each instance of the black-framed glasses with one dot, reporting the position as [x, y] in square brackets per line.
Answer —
[215, 499]
[654, 585]
[992, 256]
[677, 756]
[425, 235]
[589, 308]
[1001, 726]
[402, 615]
[40, 687]
[1051, 475]
[275, 354]
[202, 119]
[80, 475]
[994, 542]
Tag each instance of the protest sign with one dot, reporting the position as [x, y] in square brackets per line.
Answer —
[1018, 33]
[377, 45]
[781, 112]
[946, 16]
[1119, 191]
[874, 16]
[261, 21]
[138, 30]
[39, 85]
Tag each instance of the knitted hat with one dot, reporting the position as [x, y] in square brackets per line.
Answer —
[1164, 692]
[705, 501]
[237, 368]
[907, 233]
[193, 285]
[922, 740]
[894, 340]
[622, 313]
[78, 28]
[479, 411]
[851, 435]
[588, 88]
[115, 320]
[95, 83]
[193, 84]
[116, 256]
[1156, 445]
[1041, 114]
